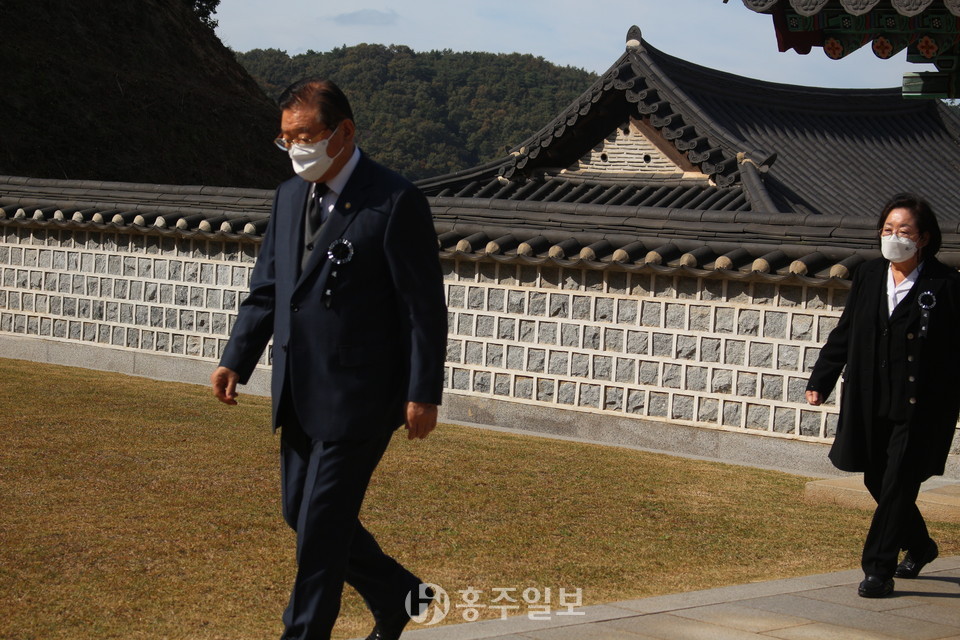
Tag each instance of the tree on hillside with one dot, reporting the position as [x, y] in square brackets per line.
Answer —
[427, 114]
[204, 10]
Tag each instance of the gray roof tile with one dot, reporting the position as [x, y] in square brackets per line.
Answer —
[796, 174]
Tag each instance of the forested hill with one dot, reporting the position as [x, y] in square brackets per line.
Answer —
[427, 114]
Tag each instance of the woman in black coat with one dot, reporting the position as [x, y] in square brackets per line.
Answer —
[899, 339]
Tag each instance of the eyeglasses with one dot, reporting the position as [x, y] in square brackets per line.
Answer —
[902, 232]
[284, 145]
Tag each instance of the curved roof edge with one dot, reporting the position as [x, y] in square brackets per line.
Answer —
[641, 76]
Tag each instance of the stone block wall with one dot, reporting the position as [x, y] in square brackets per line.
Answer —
[711, 352]
[152, 293]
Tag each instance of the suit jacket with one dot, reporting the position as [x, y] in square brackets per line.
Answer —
[925, 394]
[352, 341]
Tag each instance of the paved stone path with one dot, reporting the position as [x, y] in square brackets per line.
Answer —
[819, 607]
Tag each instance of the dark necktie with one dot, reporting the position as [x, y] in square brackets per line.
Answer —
[313, 222]
[315, 210]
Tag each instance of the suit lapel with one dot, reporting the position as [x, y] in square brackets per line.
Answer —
[296, 205]
[874, 285]
[341, 217]
[908, 305]
[929, 281]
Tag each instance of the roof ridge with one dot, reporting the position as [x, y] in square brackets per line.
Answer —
[677, 96]
[94, 186]
[784, 95]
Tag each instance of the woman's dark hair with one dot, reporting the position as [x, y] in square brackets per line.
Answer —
[325, 95]
[922, 214]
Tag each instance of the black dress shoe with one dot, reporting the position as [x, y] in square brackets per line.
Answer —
[390, 627]
[875, 587]
[910, 567]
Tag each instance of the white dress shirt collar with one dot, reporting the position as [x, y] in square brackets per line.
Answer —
[897, 292]
[338, 182]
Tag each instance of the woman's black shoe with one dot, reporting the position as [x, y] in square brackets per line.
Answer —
[875, 587]
[910, 567]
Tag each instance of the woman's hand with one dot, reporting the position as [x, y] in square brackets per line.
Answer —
[814, 397]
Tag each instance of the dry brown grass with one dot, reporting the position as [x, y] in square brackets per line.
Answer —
[138, 509]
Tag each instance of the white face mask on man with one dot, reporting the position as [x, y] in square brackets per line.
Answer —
[311, 161]
[896, 248]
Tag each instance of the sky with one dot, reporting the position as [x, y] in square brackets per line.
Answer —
[588, 34]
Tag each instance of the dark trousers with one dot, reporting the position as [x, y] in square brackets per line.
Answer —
[897, 523]
[323, 485]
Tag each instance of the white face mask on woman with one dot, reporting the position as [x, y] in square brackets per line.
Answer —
[896, 248]
[311, 161]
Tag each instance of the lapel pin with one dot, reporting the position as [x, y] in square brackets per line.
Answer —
[340, 251]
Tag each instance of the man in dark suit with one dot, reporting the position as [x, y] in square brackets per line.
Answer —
[348, 284]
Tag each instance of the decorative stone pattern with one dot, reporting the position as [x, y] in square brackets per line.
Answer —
[152, 293]
[710, 352]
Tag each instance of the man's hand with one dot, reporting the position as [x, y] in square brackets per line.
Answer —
[815, 398]
[421, 419]
[224, 382]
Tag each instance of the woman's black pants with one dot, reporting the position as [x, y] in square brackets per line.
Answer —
[894, 483]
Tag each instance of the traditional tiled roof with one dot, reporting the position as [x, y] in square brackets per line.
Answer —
[927, 28]
[165, 209]
[771, 177]
[661, 165]
[810, 8]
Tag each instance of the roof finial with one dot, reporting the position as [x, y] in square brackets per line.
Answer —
[633, 37]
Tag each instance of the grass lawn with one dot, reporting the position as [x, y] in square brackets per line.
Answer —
[138, 509]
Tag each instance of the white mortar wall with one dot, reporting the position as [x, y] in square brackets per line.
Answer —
[135, 292]
[708, 352]
[716, 353]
